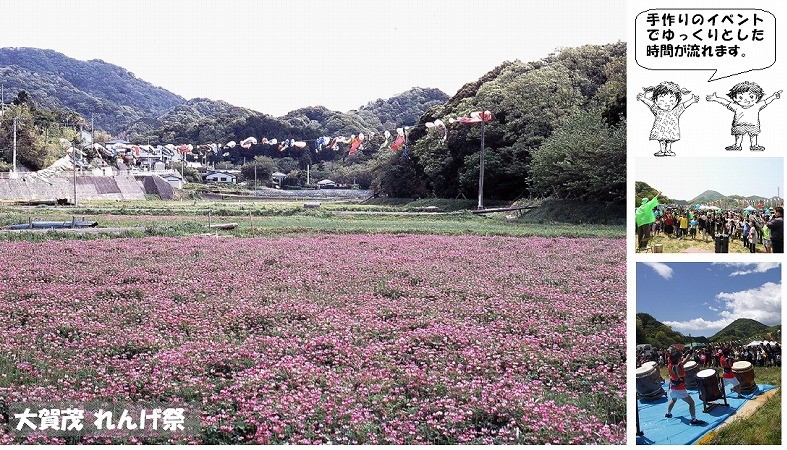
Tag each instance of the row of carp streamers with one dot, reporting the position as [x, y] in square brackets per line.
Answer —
[355, 142]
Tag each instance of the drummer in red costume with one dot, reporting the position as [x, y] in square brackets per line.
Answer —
[677, 385]
[729, 377]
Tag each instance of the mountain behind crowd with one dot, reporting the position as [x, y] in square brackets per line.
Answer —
[709, 197]
[651, 331]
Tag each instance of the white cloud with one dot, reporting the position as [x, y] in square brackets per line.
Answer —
[662, 269]
[762, 304]
[713, 309]
[747, 268]
[699, 324]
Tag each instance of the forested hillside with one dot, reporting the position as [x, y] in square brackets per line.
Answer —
[559, 129]
[651, 331]
[113, 96]
[745, 330]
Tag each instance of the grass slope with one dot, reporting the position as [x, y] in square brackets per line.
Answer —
[764, 427]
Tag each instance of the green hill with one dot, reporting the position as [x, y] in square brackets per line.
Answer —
[651, 331]
[129, 107]
[113, 95]
[745, 330]
[201, 121]
[712, 197]
[707, 197]
[315, 121]
[642, 190]
[402, 109]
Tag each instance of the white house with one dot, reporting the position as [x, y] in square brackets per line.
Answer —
[173, 179]
[326, 183]
[278, 178]
[220, 177]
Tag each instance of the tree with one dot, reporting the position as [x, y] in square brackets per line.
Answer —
[640, 336]
[642, 190]
[397, 176]
[496, 172]
[265, 168]
[190, 174]
[22, 98]
[651, 331]
[583, 159]
[531, 102]
[287, 164]
[38, 135]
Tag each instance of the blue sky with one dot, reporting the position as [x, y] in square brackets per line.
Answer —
[702, 298]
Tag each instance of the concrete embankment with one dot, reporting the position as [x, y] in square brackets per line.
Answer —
[88, 188]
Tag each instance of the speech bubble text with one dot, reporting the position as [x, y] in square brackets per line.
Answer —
[727, 41]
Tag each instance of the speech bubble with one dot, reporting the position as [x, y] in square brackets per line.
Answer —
[727, 41]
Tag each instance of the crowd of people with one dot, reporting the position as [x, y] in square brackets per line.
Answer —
[763, 228]
[763, 355]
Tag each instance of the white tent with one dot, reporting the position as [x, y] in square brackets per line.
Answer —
[757, 343]
[326, 182]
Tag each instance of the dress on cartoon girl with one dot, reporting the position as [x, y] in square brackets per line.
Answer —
[666, 127]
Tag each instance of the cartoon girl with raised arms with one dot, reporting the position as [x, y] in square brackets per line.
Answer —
[665, 103]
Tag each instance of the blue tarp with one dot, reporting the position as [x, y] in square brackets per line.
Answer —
[658, 429]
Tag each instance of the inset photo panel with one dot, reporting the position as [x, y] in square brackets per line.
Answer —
[708, 353]
[709, 205]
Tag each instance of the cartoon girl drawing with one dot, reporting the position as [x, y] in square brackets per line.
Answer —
[746, 102]
[665, 103]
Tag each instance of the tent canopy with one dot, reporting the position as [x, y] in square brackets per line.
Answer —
[758, 343]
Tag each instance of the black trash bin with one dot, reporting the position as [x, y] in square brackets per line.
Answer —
[722, 243]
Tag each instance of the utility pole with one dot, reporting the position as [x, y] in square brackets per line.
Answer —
[74, 159]
[14, 157]
[476, 117]
[481, 170]
[92, 134]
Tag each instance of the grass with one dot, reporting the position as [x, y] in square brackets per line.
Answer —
[159, 218]
[442, 204]
[673, 245]
[763, 427]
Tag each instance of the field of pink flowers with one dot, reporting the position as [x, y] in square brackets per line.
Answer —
[327, 339]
